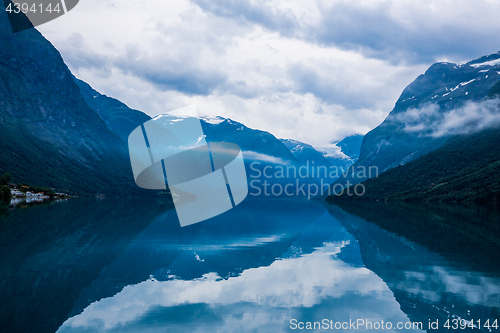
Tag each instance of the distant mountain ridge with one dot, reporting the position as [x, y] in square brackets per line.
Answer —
[341, 155]
[306, 153]
[122, 120]
[255, 144]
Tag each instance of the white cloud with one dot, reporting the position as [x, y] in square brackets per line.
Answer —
[431, 120]
[398, 30]
[472, 117]
[273, 65]
[252, 155]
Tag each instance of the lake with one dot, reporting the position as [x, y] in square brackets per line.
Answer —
[125, 265]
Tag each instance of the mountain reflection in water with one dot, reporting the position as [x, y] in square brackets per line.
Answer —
[127, 266]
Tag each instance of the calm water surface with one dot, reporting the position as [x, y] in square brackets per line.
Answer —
[125, 265]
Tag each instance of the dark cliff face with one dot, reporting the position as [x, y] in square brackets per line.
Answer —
[443, 87]
[50, 136]
[38, 93]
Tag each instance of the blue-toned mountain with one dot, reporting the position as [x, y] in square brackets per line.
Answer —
[448, 99]
[50, 136]
[118, 117]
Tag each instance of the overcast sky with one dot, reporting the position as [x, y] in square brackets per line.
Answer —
[315, 71]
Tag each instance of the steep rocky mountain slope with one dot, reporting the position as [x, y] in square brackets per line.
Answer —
[117, 116]
[444, 101]
[50, 136]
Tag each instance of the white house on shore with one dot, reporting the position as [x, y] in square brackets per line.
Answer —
[17, 193]
[14, 192]
[33, 194]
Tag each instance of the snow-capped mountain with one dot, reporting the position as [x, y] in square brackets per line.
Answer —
[448, 99]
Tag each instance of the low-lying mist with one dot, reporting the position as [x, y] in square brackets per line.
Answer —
[432, 120]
